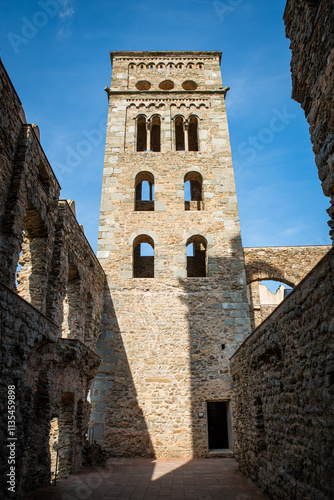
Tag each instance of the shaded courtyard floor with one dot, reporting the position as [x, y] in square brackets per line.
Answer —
[149, 479]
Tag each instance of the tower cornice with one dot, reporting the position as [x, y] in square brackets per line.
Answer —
[137, 54]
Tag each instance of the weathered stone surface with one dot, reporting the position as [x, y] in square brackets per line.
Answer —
[46, 342]
[283, 376]
[310, 26]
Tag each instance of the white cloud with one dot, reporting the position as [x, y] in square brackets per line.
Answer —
[66, 9]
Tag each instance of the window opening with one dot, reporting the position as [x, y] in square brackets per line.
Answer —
[193, 198]
[193, 133]
[179, 134]
[144, 192]
[141, 134]
[156, 134]
[196, 257]
[143, 257]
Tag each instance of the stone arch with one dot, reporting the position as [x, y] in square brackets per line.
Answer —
[143, 265]
[265, 271]
[288, 265]
[151, 234]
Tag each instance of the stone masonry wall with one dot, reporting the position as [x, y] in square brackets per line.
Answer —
[23, 328]
[166, 341]
[286, 264]
[56, 293]
[283, 376]
[310, 27]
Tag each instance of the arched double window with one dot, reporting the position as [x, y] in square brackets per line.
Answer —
[144, 192]
[193, 191]
[143, 257]
[148, 133]
[186, 133]
[196, 257]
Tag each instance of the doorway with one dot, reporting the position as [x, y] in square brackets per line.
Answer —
[219, 425]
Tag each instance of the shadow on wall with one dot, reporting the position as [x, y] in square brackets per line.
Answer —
[218, 322]
[124, 433]
[210, 322]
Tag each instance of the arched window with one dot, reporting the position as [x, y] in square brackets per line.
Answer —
[141, 133]
[144, 192]
[143, 257]
[193, 133]
[179, 134]
[193, 189]
[196, 257]
[155, 134]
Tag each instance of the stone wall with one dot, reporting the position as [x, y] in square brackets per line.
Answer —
[310, 25]
[283, 376]
[285, 264]
[51, 306]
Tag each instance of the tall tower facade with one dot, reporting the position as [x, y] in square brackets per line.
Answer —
[169, 242]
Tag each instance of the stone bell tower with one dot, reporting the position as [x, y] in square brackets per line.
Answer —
[169, 242]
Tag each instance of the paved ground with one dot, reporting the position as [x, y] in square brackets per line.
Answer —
[148, 479]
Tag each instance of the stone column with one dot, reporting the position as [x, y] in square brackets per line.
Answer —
[186, 137]
[148, 128]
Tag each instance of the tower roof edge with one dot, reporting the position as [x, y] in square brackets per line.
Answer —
[165, 53]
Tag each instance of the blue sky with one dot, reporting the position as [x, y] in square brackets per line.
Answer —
[57, 54]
